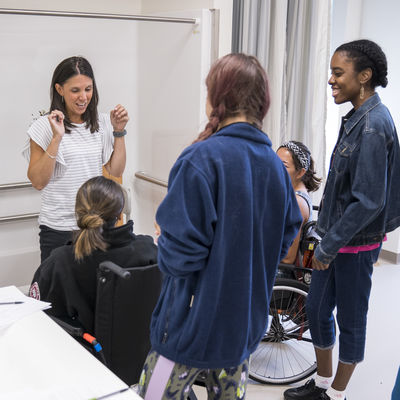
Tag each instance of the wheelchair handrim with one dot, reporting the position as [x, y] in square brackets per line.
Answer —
[285, 360]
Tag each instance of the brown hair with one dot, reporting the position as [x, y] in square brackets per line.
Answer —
[310, 179]
[237, 84]
[99, 202]
[67, 69]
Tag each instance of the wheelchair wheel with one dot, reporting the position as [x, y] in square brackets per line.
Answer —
[286, 353]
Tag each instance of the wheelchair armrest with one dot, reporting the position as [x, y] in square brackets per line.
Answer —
[71, 326]
[116, 269]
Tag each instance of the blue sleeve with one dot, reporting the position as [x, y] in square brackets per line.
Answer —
[187, 218]
[368, 191]
[396, 389]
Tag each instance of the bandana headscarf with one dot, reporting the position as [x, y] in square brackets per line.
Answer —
[302, 157]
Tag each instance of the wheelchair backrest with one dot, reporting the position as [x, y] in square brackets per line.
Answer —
[124, 306]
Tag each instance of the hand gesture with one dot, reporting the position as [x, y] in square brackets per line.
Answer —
[56, 119]
[318, 265]
[119, 118]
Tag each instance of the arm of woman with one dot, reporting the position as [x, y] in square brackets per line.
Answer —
[187, 217]
[42, 162]
[119, 118]
[293, 249]
[47, 286]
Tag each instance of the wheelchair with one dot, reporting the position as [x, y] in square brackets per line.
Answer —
[125, 299]
[286, 353]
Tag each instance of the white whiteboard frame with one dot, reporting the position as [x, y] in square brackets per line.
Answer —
[97, 15]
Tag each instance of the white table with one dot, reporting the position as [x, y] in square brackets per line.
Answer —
[39, 360]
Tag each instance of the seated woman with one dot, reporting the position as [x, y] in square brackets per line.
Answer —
[67, 278]
[300, 166]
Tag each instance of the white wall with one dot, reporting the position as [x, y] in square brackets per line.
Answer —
[380, 22]
[155, 6]
[137, 7]
[225, 25]
[98, 6]
[377, 21]
[171, 105]
[19, 242]
[346, 26]
[225, 15]
[17, 265]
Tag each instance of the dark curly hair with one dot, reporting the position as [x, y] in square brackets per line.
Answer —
[367, 54]
[310, 179]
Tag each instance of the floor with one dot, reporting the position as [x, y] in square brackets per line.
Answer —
[374, 378]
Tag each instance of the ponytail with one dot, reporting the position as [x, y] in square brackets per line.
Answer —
[217, 115]
[90, 236]
[99, 201]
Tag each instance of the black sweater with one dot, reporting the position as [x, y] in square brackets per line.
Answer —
[71, 285]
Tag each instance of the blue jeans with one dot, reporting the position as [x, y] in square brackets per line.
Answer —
[346, 285]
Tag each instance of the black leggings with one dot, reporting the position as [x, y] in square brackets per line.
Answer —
[50, 239]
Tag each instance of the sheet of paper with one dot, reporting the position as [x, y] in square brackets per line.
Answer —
[69, 393]
[10, 313]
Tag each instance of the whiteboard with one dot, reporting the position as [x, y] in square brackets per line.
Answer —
[171, 89]
[152, 68]
[155, 69]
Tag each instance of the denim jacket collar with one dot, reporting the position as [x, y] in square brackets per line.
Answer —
[356, 115]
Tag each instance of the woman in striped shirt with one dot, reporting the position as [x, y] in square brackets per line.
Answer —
[69, 146]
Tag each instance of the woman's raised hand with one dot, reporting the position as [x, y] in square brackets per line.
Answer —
[119, 118]
[56, 119]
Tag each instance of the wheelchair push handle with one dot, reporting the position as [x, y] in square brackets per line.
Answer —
[116, 269]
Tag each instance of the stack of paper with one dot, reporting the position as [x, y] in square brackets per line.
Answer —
[10, 313]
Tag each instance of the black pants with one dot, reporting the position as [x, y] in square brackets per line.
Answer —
[50, 239]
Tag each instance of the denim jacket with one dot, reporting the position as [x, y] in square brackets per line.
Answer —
[361, 201]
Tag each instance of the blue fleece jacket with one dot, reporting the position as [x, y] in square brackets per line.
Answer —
[229, 217]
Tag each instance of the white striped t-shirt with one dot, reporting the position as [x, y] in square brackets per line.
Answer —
[80, 156]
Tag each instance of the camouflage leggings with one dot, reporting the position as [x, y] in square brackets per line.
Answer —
[221, 384]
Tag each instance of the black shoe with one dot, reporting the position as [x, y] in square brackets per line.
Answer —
[324, 396]
[306, 392]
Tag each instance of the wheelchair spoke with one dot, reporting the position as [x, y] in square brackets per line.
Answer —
[286, 353]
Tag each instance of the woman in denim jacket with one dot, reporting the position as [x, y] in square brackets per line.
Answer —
[361, 203]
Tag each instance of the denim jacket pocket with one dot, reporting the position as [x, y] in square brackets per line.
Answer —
[342, 156]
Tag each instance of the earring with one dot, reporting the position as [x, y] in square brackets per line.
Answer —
[362, 92]
[62, 99]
